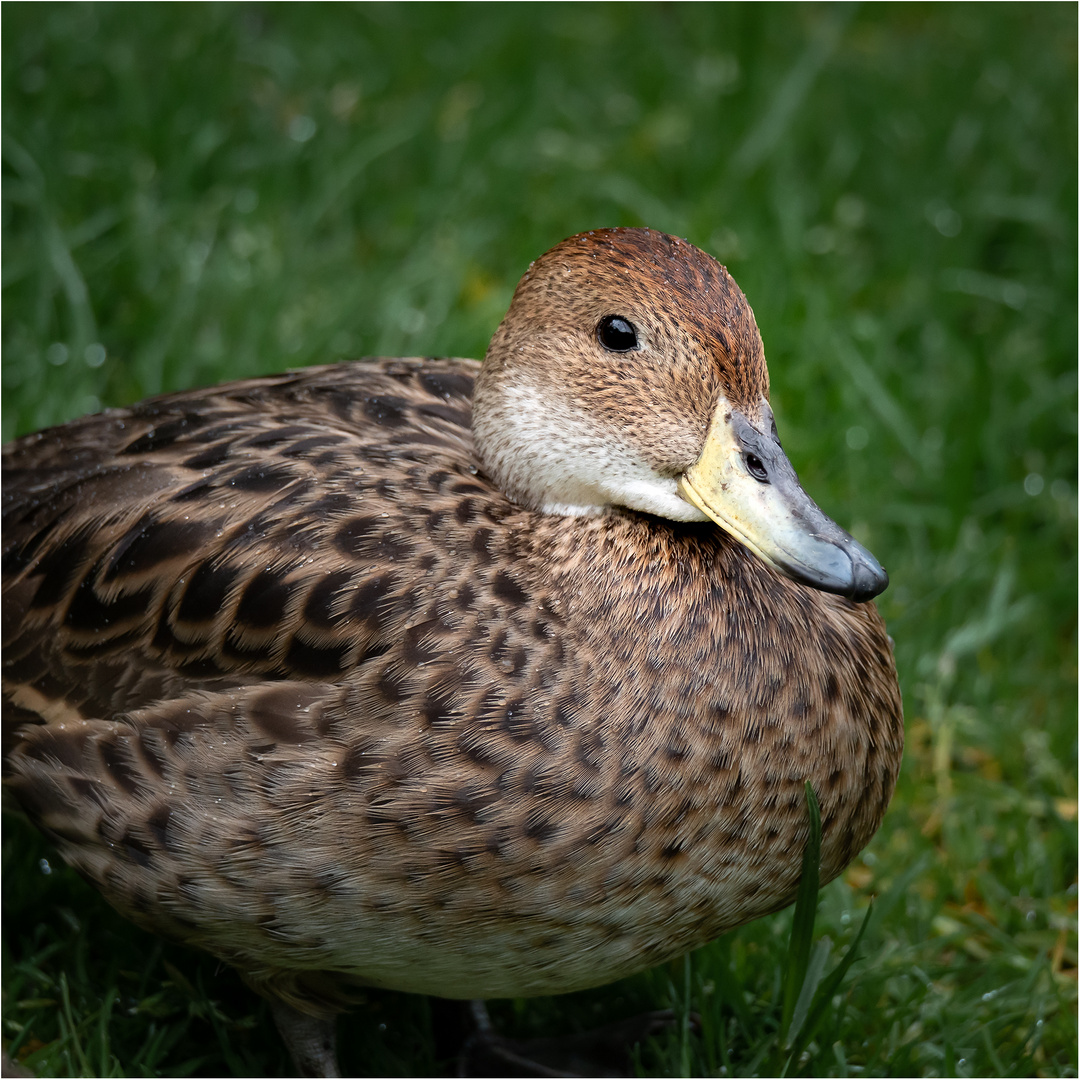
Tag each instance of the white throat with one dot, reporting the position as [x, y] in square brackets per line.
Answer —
[550, 457]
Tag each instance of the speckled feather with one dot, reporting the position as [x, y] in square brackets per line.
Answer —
[289, 678]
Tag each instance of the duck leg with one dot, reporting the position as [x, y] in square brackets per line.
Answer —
[603, 1051]
[486, 1047]
[310, 1040]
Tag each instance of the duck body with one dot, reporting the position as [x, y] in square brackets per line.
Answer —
[290, 676]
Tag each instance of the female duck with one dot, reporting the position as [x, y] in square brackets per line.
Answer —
[465, 680]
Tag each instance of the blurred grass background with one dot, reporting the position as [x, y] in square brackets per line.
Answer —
[194, 193]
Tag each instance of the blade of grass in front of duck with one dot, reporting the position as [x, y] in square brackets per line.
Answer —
[804, 1026]
[21, 1037]
[815, 972]
[69, 1028]
[685, 1019]
[105, 1059]
[802, 928]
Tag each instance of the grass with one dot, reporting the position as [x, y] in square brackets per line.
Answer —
[196, 193]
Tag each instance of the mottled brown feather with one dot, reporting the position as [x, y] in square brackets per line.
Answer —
[289, 678]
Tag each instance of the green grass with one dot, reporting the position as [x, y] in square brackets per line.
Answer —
[196, 193]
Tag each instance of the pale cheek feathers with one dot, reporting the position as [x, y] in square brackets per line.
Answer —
[573, 465]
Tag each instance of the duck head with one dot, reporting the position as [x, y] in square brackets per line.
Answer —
[629, 372]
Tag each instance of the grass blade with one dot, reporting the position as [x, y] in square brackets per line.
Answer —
[802, 929]
[814, 974]
[804, 1033]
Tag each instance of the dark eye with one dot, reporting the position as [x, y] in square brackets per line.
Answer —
[616, 333]
[756, 467]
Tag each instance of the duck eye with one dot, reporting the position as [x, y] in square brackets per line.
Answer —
[617, 334]
[756, 467]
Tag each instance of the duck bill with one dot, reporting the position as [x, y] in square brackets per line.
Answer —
[744, 482]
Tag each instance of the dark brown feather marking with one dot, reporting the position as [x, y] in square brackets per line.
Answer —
[206, 593]
[316, 661]
[445, 384]
[89, 612]
[265, 599]
[384, 410]
[152, 541]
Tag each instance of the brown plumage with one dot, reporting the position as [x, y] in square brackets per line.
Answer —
[290, 677]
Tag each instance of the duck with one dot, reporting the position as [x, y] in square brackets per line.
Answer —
[466, 679]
